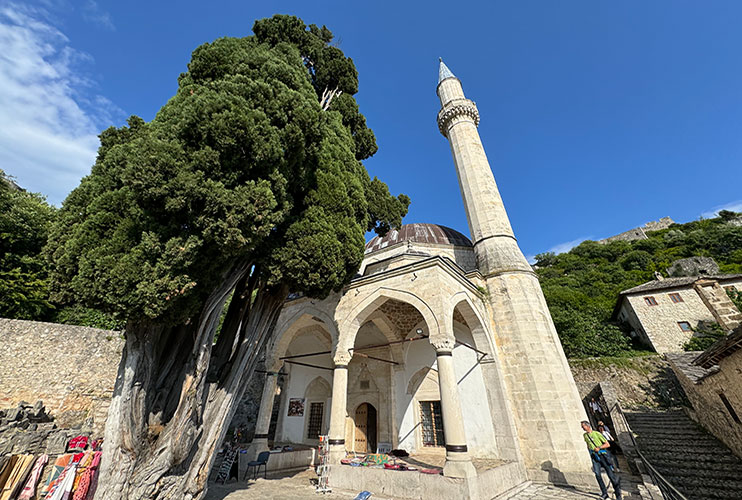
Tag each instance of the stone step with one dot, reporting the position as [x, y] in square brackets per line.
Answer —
[707, 474]
[650, 444]
[695, 458]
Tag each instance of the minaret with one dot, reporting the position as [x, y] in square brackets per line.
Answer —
[542, 390]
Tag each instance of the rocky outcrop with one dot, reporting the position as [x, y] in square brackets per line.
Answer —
[28, 428]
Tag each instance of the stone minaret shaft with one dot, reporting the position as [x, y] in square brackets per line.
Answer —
[493, 239]
[542, 390]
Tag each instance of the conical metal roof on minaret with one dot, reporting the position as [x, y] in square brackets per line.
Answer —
[444, 72]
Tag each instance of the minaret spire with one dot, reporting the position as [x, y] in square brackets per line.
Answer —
[493, 239]
[443, 71]
[535, 368]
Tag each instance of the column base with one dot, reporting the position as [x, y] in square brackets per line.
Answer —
[337, 453]
[256, 446]
[459, 465]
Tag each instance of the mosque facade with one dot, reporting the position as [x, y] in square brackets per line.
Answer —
[442, 344]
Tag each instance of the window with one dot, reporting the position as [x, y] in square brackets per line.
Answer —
[676, 298]
[650, 301]
[729, 407]
[432, 423]
[316, 412]
[685, 326]
[365, 384]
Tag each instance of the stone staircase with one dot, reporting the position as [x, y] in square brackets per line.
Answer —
[692, 460]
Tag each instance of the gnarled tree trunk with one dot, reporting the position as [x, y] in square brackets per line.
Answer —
[176, 392]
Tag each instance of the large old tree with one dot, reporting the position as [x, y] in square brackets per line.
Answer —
[248, 181]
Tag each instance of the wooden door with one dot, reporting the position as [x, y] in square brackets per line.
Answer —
[361, 442]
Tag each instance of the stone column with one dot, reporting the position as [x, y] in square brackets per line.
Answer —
[260, 440]
[458, 462]
[338, 411]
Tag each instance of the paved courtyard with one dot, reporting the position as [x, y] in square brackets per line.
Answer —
[300, 486]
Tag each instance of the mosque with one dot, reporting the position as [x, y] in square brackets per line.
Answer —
[443, 344]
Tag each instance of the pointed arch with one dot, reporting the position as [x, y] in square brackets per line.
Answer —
[364, 310]
[294, 324]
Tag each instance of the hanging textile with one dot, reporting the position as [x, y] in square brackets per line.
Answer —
[17, 475]
[89, 479]
[59, 465]
[6, 468]
[87, 459]
[62, 491]
[68, 474]
[79, 442]
[29, 490]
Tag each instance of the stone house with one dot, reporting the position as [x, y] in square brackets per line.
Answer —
[713, 384]
[664, 313]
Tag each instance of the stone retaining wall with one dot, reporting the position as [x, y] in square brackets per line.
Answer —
[71, 368]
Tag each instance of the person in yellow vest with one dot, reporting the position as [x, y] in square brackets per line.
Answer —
[599, 454]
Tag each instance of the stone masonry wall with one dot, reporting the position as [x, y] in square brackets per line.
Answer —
[708, 407]
[72, 369]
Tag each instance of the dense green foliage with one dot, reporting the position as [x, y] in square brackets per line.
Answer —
[24, 225]
[705, 334]
[582, 285]
[243, 164]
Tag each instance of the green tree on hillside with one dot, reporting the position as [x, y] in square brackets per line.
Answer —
[582, 285]
[248, 181]
[25, 219]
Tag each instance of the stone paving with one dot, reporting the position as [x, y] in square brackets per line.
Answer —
[300, 486]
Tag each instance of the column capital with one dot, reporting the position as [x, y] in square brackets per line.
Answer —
[341, 359]
[463, 107]
[443, 345]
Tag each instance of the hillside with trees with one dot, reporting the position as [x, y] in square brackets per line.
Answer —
[581, 286]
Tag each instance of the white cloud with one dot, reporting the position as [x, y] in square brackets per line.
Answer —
[92, 13]
[734, 206]
[49, 115]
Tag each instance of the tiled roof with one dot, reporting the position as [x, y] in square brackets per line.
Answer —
[683, 361]
[677, 282]
[721, 349]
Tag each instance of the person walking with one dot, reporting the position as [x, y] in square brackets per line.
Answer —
[595, 408]
[599, 454]
[613, 450]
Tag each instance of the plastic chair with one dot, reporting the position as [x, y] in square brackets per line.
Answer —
[262, 460]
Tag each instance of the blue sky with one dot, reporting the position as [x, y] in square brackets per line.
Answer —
[597, 116]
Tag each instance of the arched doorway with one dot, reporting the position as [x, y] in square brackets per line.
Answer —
[365, 435]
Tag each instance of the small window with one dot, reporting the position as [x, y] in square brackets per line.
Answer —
[365, 384]
[676, 298]
[730, 409]
[431, 421]
[316, 412]
[685, 326]
[650, 301]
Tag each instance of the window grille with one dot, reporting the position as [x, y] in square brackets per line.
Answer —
[676, 298]
[432, 423]
[729, 407]
[685, 326]
[316, 412]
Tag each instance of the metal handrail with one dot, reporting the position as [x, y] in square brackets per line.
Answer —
[669, 492]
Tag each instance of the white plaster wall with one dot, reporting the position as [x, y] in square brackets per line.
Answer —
[300, 377]
[472, 395]
[475, 407]
[419, 354]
